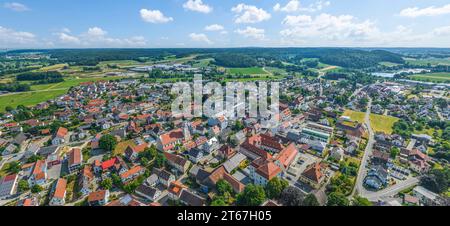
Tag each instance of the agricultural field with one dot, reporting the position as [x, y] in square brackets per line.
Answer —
[355, 115]
[432, 77]
[388, 64]
[247, 71]
[425, 62]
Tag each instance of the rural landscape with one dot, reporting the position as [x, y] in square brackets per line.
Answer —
[362, 110]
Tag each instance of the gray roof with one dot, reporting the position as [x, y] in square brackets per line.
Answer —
[234, 162]
[45, 151]
[20, 138]
[146, 190]
[191, 199]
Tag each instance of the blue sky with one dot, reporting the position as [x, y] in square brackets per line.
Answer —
[224, 23]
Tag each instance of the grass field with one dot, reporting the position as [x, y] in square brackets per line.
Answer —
[247, 71]
[53, 67]
[379, 123]
[382, 123]
[425, 62]
[122, 146]
[388, 64]
[432, 77]
[41, 93]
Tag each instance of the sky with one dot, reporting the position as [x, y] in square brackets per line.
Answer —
[223, 23]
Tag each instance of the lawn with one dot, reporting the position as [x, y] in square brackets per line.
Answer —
[379, 123]
[432, 77]
[247, 71]
[120, 148]
[382, 123]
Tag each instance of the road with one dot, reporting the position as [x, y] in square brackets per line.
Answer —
[362, 171]
[392, 190]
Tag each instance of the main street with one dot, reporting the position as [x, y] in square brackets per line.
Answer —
[359, 188]
[392, 190]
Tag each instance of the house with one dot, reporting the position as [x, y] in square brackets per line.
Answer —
[85, 181]
[376, 178]
[234, 162]
[189, 198]
[32, 150]
[317, 132]
[225, 152]
[218, 121]
[195, 155]
[177, 162]
[286, 156]
[426, 197]
[147, 192]
[210, 145]
[132, 174]
[313, 175]
[75, 160]
[8, 185]
[61, 136]
[164, 177]
[38, 174]
[380, 157]
[221, 174]
[59, 193]
[98, 198]
[168, 141]
[337, 153]
[20, 139]
[115, 164]
[175, 190]
[10, 149]
[28, 202]
[126, 200]
[263, 170]
[132, 153]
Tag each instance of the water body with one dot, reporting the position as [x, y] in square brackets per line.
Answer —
[392, 74]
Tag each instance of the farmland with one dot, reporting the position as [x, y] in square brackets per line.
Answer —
[379, 123]
[247, 71]
[432, 77]
[426, 61]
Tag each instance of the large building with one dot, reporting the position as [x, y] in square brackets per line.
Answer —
[8, 185]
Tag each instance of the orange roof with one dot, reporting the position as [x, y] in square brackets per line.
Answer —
[60, 188]
[140, 148]
[62, 132]
[287, 155]
[38, 167]
[75, 157]
[176, 187]
[313, 172]
[97, 196]
[132, 171]
[268, 170]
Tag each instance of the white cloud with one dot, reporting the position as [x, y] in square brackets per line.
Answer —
[12, 38]
[291, 6]
[251, 32]
[442, 31]
[327, 27]
[249, 14]
[200, 38]
[154, 16]
[214, 27]
[198, 6]
[295, 6]
[429, 11]
[96, 32]
[15, 6]
[68, 39]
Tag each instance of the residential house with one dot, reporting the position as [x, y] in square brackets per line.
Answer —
[177, 162]
[75, 160]
[86, 180]
[98, 198]
[38, 174]
[191, 199]
[147, 192]
[313, 175]
[132, 173]
[61, 136]
[168, 141]
[164, 177]
[59, 193]
[376, 178]
[426, 197]
[195, 155]
[8, 185]
[132, 152]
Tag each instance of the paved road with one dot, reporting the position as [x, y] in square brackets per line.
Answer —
[359, 188]
[392, 190]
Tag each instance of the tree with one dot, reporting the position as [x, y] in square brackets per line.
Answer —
[106, 183]
[108, 142]
[253, 195]
[36, 189]
[360, 201]
[14, 167]
[23, 186]
[437, 180]
[394, 152]
[160, 160]
[223, 186]
[291, 196]
[275, 186]
[337, 199]
[218, 201]
[310, 200]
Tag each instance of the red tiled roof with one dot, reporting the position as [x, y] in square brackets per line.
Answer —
[108, 163]
[132, 171]
[97, 196]
[287, 155]
[313, 172]
[60, 188]
[75, 157]
[62, 132]
[268, 170]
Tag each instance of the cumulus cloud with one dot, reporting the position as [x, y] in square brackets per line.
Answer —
[15, 6]
[197, 6]
[154, 16]
[200, 38]
[214, 27]
[98, 37]
[249, 14]
[442, 31]
[295, 6]
[10, 37]
[327, 27]
[429, 11]
[251, 32]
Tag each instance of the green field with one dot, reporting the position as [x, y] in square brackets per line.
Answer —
[379, 123]
[425, 62]
[432, 77]
[388, 64]
[247, 71]
[41, 93]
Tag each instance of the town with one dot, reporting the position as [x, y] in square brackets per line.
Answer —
[342, 138]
